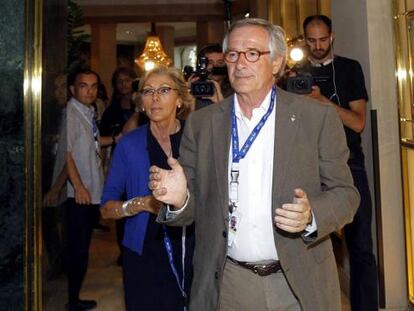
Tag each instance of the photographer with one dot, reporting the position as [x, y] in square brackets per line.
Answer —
[211, 68]
[343, 87]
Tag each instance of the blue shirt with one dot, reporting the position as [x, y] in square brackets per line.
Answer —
[129, 174]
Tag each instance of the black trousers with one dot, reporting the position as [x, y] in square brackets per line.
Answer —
[53, 227]
[364, 280]
[80, 221]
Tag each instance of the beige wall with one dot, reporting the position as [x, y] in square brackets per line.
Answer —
[364, 31]
[103, 52]
[290, 13]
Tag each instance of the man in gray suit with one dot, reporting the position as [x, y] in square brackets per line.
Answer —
[264, 177]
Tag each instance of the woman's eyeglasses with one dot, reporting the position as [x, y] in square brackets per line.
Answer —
[163, 90]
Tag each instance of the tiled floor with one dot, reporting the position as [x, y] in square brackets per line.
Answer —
[103, 281]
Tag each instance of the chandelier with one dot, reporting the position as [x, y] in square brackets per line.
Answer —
[153, 54]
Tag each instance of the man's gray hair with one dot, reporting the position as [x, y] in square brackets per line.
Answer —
[277, 41]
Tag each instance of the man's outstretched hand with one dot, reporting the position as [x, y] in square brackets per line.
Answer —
[169, 186]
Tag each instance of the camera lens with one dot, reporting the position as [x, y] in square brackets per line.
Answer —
[202, 88]
[301, 84]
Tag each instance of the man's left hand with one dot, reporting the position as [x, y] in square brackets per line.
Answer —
[294, 217]
[316, 94]
[218, 95]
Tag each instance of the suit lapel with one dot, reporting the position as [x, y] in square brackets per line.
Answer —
[287, 122]
[221, 129]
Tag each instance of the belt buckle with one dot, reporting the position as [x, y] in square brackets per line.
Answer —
[260, 270]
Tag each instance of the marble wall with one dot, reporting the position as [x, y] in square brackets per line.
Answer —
[11, 154]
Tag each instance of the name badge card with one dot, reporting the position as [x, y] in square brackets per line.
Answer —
[234, 222]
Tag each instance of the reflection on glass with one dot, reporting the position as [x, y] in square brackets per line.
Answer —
[406, 109]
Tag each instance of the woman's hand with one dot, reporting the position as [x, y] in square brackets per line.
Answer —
[147, 204]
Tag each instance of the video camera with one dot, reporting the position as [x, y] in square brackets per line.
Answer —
[203, 87]
[302, 83]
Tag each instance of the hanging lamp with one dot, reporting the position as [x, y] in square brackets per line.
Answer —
[153, 54]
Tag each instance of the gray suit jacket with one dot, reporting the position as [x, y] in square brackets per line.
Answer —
[310, 153]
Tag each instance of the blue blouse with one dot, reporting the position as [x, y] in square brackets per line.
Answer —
[129, 174]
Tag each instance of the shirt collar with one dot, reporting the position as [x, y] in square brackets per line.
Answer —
[88, 111]
[315, 64]
[264, 106]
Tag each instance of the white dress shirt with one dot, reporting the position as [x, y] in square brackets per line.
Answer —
[254, 238]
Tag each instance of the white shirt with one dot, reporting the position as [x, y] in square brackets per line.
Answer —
[81, 143]
[254, 239]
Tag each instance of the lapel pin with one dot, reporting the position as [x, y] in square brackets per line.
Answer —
[293, 117]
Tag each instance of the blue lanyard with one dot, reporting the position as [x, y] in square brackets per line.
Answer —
[169, 249]
[240, 154]
[96, 137]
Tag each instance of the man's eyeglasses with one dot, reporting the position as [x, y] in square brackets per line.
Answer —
[252, 55]
[163, 90]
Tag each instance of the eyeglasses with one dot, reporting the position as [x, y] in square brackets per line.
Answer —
[251, 55]
[163, 90]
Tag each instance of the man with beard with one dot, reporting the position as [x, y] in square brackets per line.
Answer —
[345, 90]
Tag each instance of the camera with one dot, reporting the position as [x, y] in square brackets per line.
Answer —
[302, 83]
[203, 87]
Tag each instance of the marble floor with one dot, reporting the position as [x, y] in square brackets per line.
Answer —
[103, 281]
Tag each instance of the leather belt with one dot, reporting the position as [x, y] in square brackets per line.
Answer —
[258, 268]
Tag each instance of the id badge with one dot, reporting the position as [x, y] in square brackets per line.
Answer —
[234, 192]
[234, 222]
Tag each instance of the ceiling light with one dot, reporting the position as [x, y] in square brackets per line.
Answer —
[296, 54]
[153, 54]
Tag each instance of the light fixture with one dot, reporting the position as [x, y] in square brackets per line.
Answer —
[296, 54]
[153, 54]
[297, 50]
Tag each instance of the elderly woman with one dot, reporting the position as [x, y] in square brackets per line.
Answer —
[157, 259]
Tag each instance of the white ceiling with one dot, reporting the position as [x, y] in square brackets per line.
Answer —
[137, 32]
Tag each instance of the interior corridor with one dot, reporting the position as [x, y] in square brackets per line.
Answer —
[103, 281]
